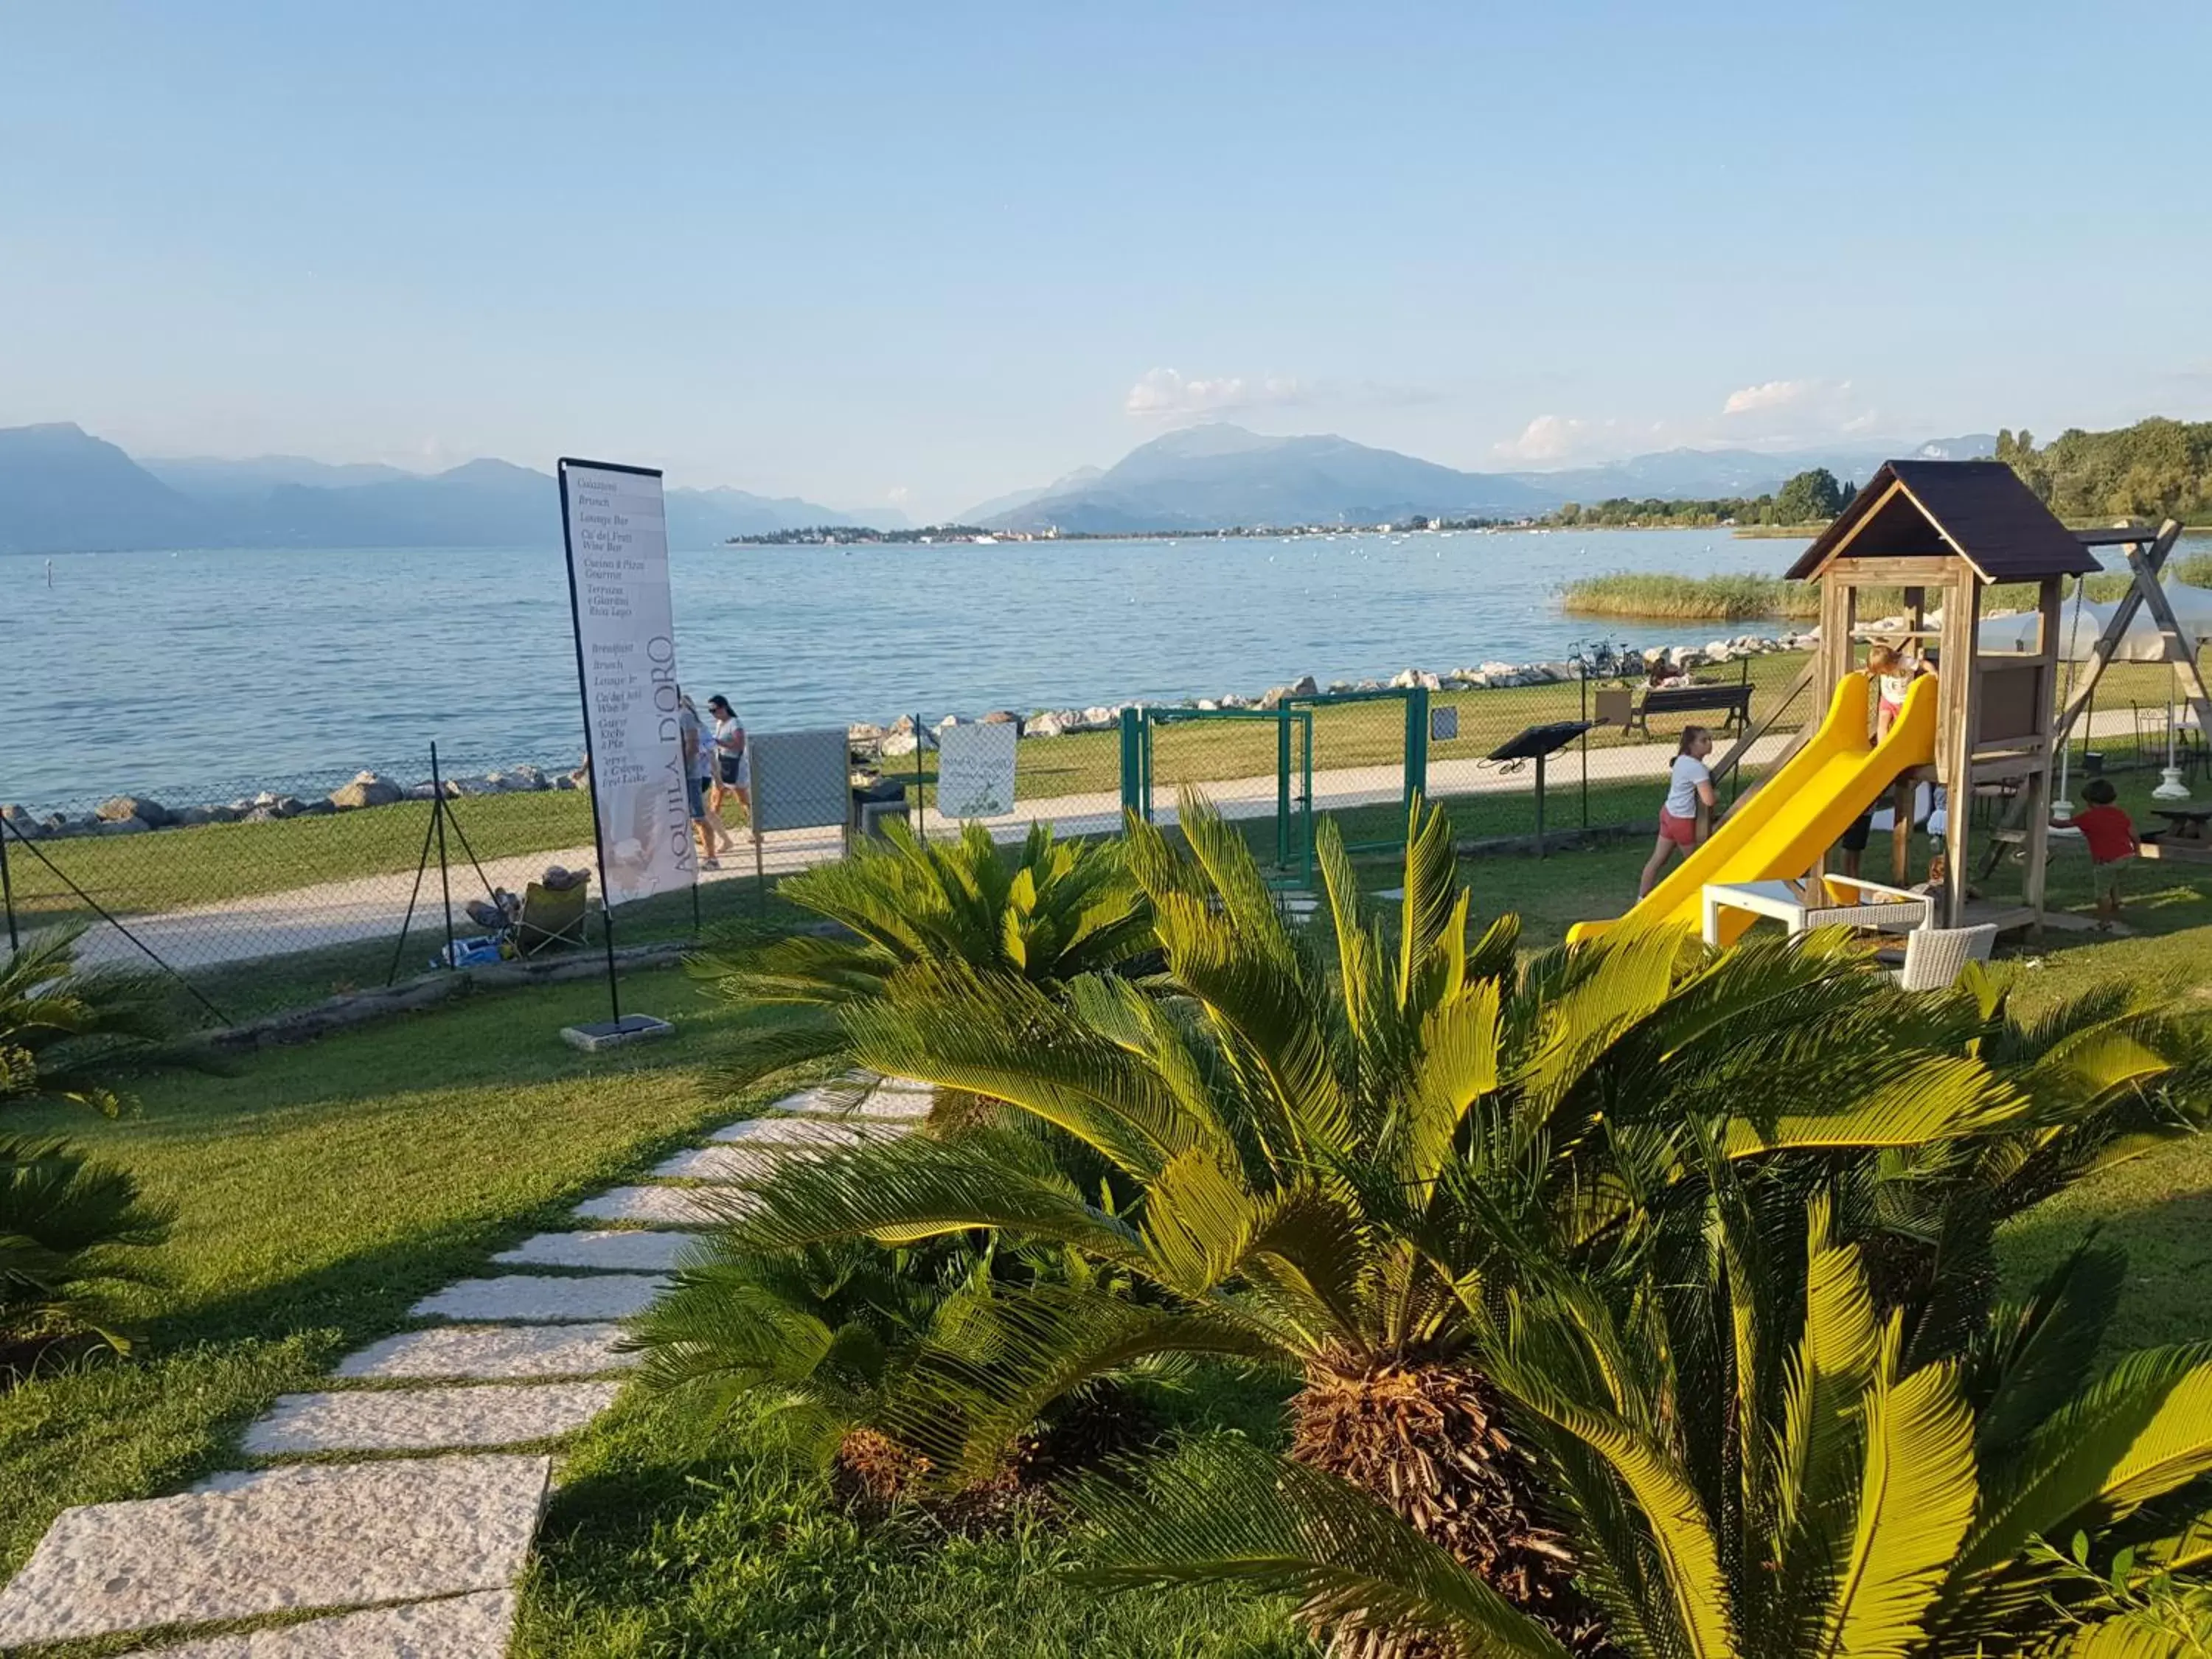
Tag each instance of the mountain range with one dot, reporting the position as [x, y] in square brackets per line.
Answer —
[64, 490]
[1217, 476]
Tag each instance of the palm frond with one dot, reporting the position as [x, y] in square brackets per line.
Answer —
[1222, 1511]
[2143, 1430]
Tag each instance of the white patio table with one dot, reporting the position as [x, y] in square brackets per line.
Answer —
[1819, 901]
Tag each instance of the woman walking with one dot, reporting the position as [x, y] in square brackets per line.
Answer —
[698, 778]
[1689, 784]
[733, 771]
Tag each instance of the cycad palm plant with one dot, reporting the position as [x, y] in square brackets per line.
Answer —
[1045, 911]
[69, 1225]
[1753, 1468]
[1334, 1160]
[64, 1030]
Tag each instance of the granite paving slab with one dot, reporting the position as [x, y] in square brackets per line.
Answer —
[792, 1132]
[312, 1536]
[625, 1251]
[662, 1206]
[740, 1163]
[427, 1420]
[896, 1105]
[514, 1352]
[542, 1298]
[474, 1627]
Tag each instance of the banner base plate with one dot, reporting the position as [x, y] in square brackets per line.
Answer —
[611, 1033]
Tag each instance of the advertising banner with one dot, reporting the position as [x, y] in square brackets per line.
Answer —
[616, 529]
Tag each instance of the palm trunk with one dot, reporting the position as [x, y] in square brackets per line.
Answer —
[1429, 1442]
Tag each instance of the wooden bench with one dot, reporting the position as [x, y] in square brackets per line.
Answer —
[1733, 701]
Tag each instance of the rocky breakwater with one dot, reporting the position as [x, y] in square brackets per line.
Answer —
[904, 735]
[134, 815]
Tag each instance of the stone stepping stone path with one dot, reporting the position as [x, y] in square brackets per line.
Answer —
[627, 1252]
[742, 1162]
[513, 1352]
[415, 1553]
[413, 1419]
[317, 1536]
[460, 1627]
[662, 1206]
[538, 1298]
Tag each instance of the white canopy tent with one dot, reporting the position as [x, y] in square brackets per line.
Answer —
[2087, 630]
[2082, 624]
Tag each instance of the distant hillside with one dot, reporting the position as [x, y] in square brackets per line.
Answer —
[213, 479]
[1000, 506]
[1216, 477]
[64, 491]
[1706, 474]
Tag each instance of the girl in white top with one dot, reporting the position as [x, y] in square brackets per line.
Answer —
[1689, 784]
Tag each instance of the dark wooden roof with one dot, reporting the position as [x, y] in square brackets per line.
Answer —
[1979, 510]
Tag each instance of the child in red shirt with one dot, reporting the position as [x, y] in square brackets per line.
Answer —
[2111, 834]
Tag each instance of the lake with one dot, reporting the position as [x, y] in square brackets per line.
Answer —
[205, 673]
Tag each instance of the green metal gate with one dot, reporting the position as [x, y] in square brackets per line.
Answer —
[1348, 740]
[1291, 864]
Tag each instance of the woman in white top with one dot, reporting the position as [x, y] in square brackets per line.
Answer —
[1689, 784]
[733, 770]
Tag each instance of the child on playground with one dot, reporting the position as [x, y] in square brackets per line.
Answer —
[1894, 673]
[2111, 834]
[1689, 783]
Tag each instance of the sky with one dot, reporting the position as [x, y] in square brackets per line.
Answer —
[920, 255]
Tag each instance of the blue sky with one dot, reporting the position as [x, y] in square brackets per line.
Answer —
[925, 253]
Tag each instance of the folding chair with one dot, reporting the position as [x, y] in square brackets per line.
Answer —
[551, 918]
[1935, 956]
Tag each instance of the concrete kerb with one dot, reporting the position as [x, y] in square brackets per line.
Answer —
[428, 990]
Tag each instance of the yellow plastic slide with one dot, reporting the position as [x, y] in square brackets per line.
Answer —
[1779, 833]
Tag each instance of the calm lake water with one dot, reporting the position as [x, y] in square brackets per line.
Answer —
[210, 672]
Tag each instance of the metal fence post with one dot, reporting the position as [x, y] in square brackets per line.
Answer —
[1417, 746]
[7, 889]
[438, 819]
[1135, 797]
[1582, 742]
[920, 800]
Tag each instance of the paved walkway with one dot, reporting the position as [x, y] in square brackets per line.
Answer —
[410, 1544]
[373, 907]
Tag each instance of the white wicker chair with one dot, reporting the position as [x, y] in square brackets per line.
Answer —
[1935, 956]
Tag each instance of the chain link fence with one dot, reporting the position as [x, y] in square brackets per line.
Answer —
[272, 893]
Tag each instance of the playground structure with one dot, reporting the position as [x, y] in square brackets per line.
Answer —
[1943, 532]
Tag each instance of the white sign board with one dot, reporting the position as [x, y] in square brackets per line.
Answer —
[616, 532]
[976, 771]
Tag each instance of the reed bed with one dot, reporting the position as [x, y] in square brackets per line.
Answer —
[1772, 598]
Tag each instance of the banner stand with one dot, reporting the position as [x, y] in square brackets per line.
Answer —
[619, 1028]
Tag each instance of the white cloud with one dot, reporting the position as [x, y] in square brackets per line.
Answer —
[899, 495]
[1546, 438]
[1551, 438]
[1771, 394]
[1165, 392]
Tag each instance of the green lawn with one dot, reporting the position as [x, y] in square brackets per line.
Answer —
[318, 1193]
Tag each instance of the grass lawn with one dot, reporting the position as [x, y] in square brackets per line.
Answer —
[323, 1189]
[319, 1193]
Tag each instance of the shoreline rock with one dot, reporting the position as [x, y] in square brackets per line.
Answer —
[130, 814]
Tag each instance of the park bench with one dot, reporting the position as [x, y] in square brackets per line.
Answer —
[1733, 701]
